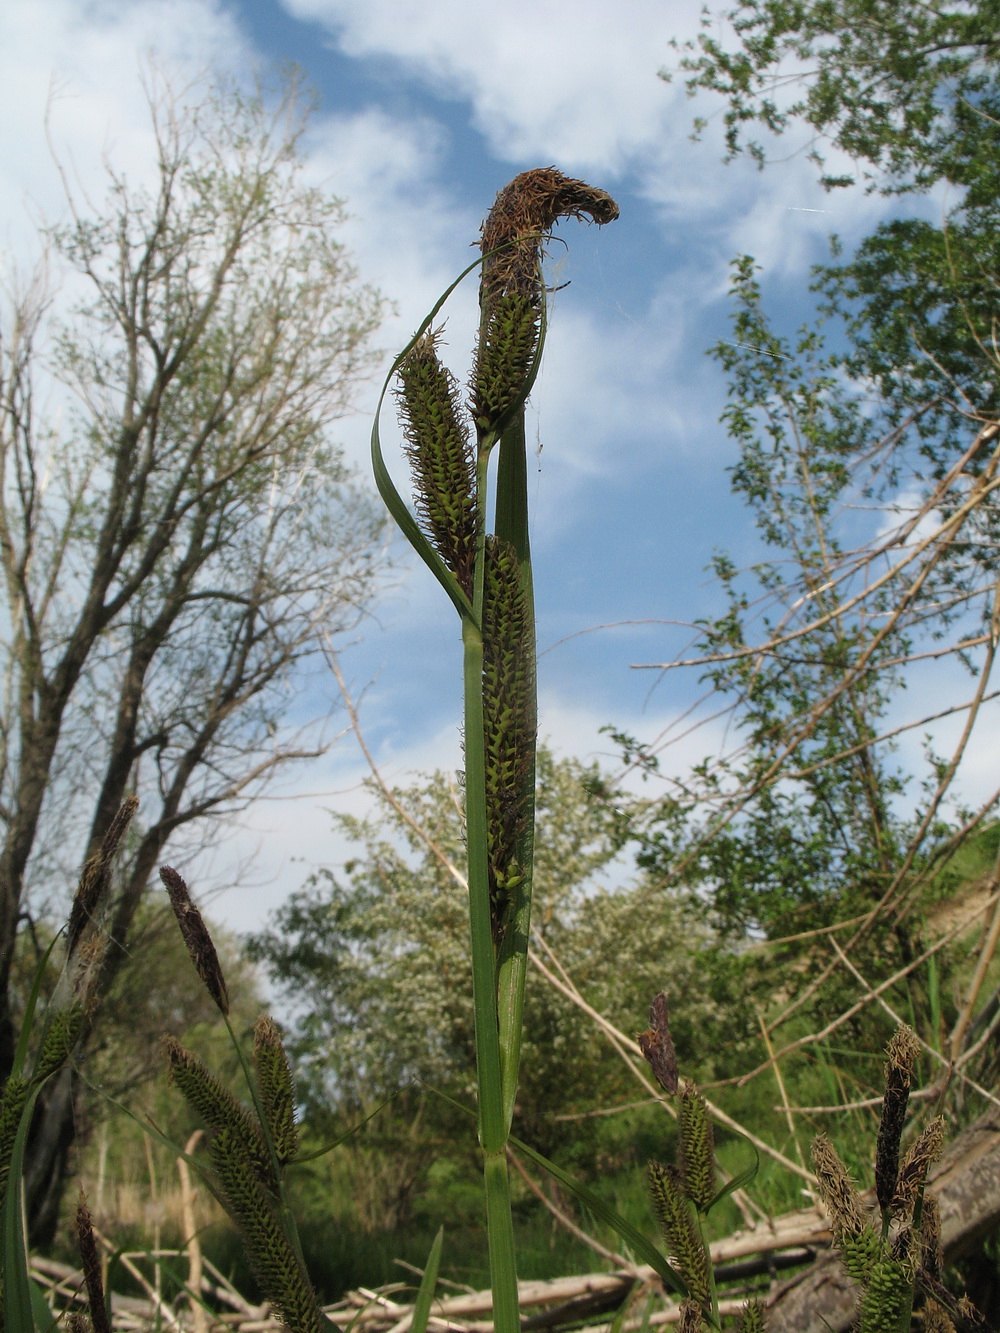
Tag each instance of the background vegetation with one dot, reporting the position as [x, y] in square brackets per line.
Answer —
[795, 895]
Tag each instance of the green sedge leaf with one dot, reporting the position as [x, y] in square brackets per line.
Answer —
[45, 1320]
[641, 1247]
[738, 1182]
[17, 1285]
[422, 1305]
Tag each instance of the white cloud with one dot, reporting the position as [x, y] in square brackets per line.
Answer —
[77, 67]
[543, 79]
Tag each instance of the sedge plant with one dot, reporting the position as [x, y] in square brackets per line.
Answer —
[486, 571]
[890, 1246]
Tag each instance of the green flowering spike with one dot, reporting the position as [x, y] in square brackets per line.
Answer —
[217, 1106]
[15, 1095]
[505, 351]
[277, 1090]
[274, 1262]
[839, 1191]
[899, 1068]
[752, 1320]
[860, 1253]
[441, 457]
[696, 1154]
[59, 1040]
[508, 718]
[913, 1169]
[888, 1293]
[678, 1223]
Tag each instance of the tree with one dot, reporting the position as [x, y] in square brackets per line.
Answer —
[871, 472]
[178, 530]
[908, 90]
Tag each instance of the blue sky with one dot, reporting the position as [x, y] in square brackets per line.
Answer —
[424, 112]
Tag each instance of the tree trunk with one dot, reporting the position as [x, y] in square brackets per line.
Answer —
[53, 1134]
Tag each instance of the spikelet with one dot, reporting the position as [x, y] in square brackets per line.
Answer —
[96, 876]
[217, 1106]
[508, 719]
[913, 1169]
[902, 1054]
[441, 457]
[277, 1090]
[931, 1248]
[696, 1156]
[196, 936]
[839, 1192]
[59, 1039]
[505, 352]
[274, 1262]
[860, 1252]
[888, 1291]
[680, 1230]
[753, 1318]
[15, 1095]
[523, 212]
[91, 1263]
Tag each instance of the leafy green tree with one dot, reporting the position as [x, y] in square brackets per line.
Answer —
[178, 529]
[907, 90]
[870, 472]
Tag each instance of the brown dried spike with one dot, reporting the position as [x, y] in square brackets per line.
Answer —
[839, 1192]
[524, 210]
[96, 874]
[657, 1045]
[196, 937]
[91, 1262]
[913, 1169]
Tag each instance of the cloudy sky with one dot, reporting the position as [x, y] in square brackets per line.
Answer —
[425, 111]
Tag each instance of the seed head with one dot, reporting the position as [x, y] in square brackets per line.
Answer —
[902, 1054]
[676, 1216]
[277, 1090]
[508, 718]
[696, 1153]
[96, 876]
[274, 1262]
[839, 1191]
[196, 937]
[91, 1262]
[913, 1169]
[657, 1045]
[441, 457]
